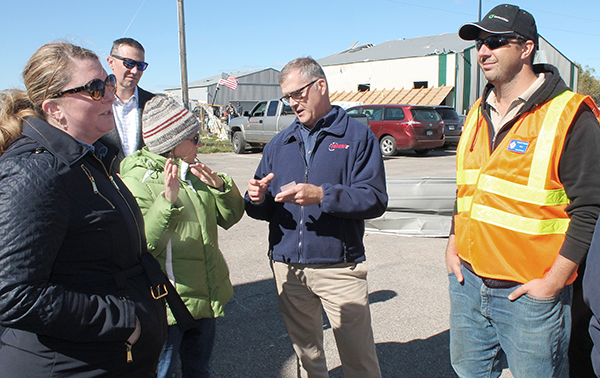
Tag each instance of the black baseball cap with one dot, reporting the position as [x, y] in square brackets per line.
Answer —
[503, 19]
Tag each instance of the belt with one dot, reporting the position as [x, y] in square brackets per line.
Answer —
[161, 286]
[492, 283]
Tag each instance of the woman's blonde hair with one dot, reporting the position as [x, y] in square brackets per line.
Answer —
[46, 73]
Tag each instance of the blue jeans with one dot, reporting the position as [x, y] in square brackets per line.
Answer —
[187, 354]
[487, 331]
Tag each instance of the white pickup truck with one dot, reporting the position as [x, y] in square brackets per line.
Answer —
[266, 119]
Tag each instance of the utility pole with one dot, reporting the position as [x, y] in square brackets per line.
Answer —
[183, 56]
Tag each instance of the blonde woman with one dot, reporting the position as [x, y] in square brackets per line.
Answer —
[74, 295]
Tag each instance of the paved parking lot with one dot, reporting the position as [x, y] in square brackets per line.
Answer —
[407, 286]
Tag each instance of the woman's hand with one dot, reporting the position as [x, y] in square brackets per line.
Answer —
[207, 175]
[171, 181]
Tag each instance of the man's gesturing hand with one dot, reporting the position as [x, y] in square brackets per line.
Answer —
[257, 188]
[301, 194]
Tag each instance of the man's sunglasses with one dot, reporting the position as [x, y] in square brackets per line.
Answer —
[298, 94]
[95, 88]
[496, 41]
[130, 63]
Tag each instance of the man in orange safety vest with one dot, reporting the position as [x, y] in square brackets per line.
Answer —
[527, 203]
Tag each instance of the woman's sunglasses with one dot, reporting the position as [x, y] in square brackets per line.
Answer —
[496, 41]
[195, 139]
[130, 63]
[95, 88]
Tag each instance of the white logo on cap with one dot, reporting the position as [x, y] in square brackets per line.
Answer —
[498, 17]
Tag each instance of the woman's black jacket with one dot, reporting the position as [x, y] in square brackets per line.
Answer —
[71, 239]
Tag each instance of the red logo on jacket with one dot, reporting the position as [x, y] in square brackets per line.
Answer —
[337, 146]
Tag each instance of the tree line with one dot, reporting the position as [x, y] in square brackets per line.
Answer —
[588, 83]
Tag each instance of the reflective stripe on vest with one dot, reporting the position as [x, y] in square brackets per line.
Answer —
[533, 192]
[543, 151]
[512, 219]
[470, 127]
[518, 223]
[466, 176]
[523, 193]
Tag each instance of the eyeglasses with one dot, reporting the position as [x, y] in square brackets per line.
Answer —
[95, 88]
[130, 63]
[195, 139]
[297, 94]
[496, 41]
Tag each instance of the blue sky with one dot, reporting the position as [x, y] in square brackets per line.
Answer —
[226, 36]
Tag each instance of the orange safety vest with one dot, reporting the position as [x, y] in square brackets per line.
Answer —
[511, 219]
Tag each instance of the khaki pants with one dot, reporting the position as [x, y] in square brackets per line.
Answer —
[341, 290]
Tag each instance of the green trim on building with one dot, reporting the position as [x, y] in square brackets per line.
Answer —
[456, 70]
[572, 81]
[468, 71]
[443, 66]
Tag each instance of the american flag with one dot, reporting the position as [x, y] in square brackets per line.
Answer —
[228, 81]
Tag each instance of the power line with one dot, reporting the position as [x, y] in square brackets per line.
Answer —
[535, 11]
[125, 32]
[540, 26]
[425, 7]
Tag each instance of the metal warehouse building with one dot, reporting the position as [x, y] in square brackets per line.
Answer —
[253, 86]
[434, 70]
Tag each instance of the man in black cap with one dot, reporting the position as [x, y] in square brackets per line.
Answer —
[527, 203]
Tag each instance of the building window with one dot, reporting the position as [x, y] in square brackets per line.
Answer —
[364, 87]
[420, 84]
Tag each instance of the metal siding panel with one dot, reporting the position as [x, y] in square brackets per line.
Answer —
[417, 207]
[404, 48]
[576, 77]
[549, 54]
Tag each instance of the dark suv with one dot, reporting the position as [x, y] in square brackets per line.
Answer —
[403, 127]
[452, 123]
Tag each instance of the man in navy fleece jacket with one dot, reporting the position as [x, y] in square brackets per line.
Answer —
[316, 183]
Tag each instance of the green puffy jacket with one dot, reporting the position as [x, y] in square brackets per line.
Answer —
[183, 235]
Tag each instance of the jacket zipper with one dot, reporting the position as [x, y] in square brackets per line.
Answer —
[112, 180]
[301, 151]
[94, 187]
[320, 137]
[129, 353]
[126, 202]
[128, 345]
